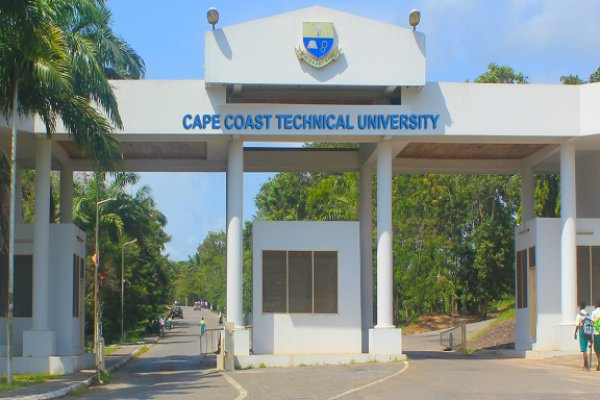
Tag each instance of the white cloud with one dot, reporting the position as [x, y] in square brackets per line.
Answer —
[561, 24]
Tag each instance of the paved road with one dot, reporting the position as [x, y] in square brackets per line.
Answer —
[430, 341]
[429, 376]
[172, 370]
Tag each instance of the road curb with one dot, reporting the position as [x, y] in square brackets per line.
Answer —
[85, 383]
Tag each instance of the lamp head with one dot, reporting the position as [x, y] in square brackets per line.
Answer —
[212, 16]
[414, 18]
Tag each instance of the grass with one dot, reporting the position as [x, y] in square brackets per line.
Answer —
[105, 377]
[507, 312]
[80, 391]
[143, 350]
[250, 366]
[111, 349]
[262, 365]
[21, 380]
[503, 305]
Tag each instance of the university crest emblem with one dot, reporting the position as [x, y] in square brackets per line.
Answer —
[319, 44]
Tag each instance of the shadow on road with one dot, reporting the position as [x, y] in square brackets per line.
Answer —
[452, 355]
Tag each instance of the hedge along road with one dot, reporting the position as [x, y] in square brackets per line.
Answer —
[171, 369]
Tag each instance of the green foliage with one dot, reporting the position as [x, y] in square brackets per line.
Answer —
[453, 234]
[547, 196]
[21, 380]
[203, 276]
[111, 349]
[55, 59]
[571, 80]
[58, 56]
[143, 350]
[283, 197]
[595, 76]
[453, 242]
[147, 273]
[501, 74]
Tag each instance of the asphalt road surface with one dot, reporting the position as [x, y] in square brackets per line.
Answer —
[171, 369]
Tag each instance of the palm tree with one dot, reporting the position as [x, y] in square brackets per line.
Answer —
[55, 58]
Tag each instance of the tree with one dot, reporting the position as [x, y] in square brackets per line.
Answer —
[283, 197]
[148, 272]
[571, 80]
[595, 76]
[55, 58]
[501, 74]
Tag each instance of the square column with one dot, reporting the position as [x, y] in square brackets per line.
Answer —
[235, 219]
[366, 253]
[66, 194]
[384, 236]
[568, 241]
[384, 338]
[527, 194]
[40, 340]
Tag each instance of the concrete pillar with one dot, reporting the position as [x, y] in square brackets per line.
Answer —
[366, 253]
[66, 194]
[235, 208]
[41, 233]
[568, 240]
[384, 236]
[19, 196]
[527, 194]
[40, 340]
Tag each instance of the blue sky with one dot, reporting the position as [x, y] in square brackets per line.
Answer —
[542, 39]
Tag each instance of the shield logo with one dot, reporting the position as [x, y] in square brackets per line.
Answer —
[318, 38]
[319, 47]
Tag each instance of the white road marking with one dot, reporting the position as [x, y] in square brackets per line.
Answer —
[356, 389]
[243, 393]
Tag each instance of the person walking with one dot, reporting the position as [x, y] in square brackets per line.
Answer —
[582, 324]
[596, 319]
[202, 326]
[162, 327]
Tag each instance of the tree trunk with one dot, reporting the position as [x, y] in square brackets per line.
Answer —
[4, 204]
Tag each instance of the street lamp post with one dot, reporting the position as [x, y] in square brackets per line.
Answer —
[123, 283]
[96, 271]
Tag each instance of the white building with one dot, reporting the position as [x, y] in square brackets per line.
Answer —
[372, 92]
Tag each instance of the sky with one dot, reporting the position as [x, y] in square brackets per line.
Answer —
[542, 39]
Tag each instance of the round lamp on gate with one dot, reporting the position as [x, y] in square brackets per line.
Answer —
[212, 15]
[414, 18]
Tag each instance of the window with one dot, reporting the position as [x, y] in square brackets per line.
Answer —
[274, 281]
[326, 282]
[75, 285]
[300, 282]
[588, 274]
[522, 279]
[22, 286]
